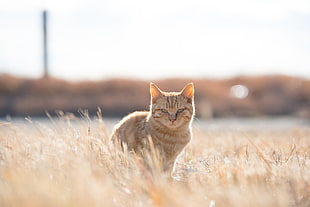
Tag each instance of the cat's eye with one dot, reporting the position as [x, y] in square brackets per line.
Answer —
[164, 110]
[180, 110]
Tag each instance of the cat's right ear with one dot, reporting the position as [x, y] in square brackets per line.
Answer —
[188, 92]
[155, 92]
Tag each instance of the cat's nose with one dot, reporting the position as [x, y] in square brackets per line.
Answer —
[172, 120]
[172, 117]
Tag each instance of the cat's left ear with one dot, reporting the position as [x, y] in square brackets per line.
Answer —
[188, 92]
[155, 92]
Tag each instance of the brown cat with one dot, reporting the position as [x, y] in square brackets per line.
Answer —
[167, 124]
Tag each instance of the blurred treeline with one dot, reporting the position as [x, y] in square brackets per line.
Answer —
[268, 96]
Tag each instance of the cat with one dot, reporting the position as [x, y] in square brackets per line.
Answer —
[167, 124]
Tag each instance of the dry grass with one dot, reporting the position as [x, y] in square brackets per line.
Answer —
[69, 162]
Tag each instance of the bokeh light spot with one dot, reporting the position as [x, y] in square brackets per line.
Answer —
[239, 91]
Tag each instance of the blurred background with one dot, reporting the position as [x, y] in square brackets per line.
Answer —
[246, 58]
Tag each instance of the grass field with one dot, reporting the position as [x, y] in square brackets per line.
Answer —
[69, 162]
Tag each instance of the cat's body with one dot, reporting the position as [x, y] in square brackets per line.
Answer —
[167, 124]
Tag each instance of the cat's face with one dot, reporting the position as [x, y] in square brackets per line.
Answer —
[172, 109]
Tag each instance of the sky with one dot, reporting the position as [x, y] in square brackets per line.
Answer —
[102, 39]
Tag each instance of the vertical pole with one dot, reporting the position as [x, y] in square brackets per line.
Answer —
[45, 50]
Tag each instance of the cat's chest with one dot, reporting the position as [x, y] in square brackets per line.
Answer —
[170, 141]
[171, 144]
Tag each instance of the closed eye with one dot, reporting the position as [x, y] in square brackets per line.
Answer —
[180, 110]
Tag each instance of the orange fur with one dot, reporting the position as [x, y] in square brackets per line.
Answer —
[168, 124]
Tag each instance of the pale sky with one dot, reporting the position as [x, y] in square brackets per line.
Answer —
[99, 39]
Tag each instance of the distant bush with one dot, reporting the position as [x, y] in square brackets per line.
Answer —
[268, 95]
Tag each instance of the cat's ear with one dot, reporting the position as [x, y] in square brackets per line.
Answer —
[155, 92]
[188, 92]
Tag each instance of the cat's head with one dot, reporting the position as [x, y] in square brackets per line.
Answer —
[172, 109]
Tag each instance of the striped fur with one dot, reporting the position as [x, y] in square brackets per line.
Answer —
[168, 124]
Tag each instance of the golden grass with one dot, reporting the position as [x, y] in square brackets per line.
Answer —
[70, 162]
